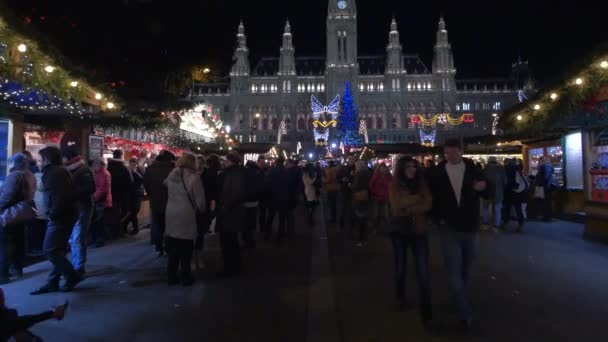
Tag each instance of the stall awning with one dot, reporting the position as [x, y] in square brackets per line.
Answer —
[402, 149]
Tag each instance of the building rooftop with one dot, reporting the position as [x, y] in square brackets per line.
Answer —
[315, 65]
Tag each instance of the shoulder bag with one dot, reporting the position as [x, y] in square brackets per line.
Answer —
[19, 213]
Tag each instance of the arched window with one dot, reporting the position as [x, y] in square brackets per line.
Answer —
[264, 123]
[256, 123]
[288, 123]
[301, 124]
[310, 125]
[369, 122]
[379, 123]
[275, 123]
[394, 122]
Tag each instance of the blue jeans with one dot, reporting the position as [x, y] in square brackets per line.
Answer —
[55, 243]
[78, 239]
[496, 206]
[459, 252]
[420, 250]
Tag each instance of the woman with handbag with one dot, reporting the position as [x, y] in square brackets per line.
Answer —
[186, 200]
[360, 190]
[410, 201]
[19, 186]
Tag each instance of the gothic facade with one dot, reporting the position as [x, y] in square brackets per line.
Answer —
[398, 96]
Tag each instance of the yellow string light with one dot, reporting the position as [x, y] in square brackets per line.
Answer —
[454, 121]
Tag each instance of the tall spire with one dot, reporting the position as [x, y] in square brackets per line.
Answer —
[287, 27]
[241, 54]
[287, 64]
[394, 55]
[443, 62]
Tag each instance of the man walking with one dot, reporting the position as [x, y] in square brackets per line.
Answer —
[61, 203]
[154, 179]
[492, 206]
[231, 216]
[345, 178]
[278, 185]
[264, 195]
[84, 188]
[121, 184]
[457, 187]
[255, 181]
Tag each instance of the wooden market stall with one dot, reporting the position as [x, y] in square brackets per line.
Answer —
[569, 124]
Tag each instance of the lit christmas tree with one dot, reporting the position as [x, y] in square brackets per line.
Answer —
[348, 123]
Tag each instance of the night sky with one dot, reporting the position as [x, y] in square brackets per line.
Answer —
[139, 40]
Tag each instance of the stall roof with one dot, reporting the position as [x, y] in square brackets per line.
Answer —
[575, 94]
[402, 149]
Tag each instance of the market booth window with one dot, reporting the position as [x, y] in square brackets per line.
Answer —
[599, 168]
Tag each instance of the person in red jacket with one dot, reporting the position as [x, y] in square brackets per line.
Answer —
[379, 185]
[103, 200]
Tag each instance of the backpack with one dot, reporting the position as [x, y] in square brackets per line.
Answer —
[522, 183]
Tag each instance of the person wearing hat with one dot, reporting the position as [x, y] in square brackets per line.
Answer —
[15, 326]
[84, 187]
[121, 184]
[19, 185]
[136, 194]
[154, 179]
[62, 204]
[232, 212]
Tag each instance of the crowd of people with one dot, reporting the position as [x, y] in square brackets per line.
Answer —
[65, 205]
[81, 206]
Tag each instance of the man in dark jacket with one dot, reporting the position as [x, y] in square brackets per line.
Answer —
[345, 177]
[121, 185]
[84, 188]
[231, 215]
[264, 196]
[154, 183]
[278, 187]
[255, 186]
[294, 188]
[61, 202]
[457, 186]
[545, 179]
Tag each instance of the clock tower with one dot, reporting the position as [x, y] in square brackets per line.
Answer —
[341, 45]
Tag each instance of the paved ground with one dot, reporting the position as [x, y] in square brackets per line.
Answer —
[547, 285]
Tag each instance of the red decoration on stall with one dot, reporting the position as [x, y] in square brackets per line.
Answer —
[468, 118]
[415, 119]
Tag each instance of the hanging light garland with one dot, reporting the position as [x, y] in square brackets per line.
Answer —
[576, 91]
[31, 80]
[442, 118]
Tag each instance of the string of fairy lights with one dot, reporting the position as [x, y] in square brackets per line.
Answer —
[574, 91]
[442, 119]
[31, 80]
